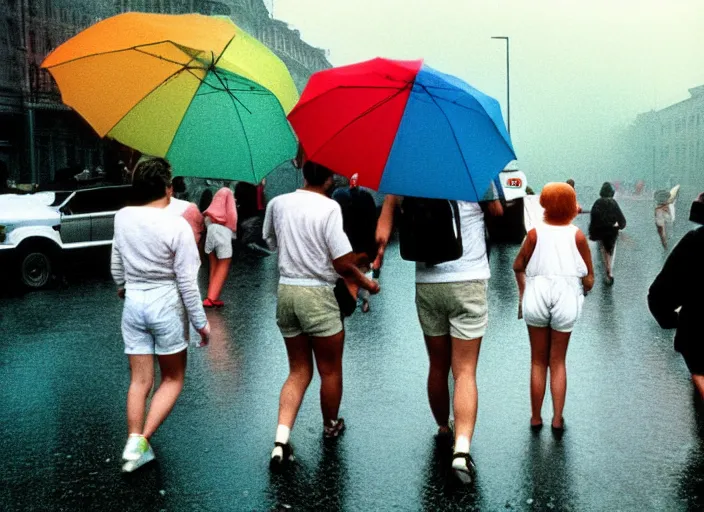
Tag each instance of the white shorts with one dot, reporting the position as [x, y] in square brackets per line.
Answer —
[219, 239]
[154, 321]
[554, 302]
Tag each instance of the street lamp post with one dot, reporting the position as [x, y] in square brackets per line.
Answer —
[508, 83]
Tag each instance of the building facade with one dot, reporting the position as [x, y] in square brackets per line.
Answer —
[39, 136]
[667, 146]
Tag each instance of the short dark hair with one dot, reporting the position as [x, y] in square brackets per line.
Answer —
[315, 174]
[607, 190]
[150, 180]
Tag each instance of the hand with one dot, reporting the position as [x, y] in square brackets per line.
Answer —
[520, 309]
[204, 335]
[374, 288]
[587, 283]
[121, 293]
[379, 260]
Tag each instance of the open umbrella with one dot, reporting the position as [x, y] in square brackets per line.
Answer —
[405, 128]
[194, 89]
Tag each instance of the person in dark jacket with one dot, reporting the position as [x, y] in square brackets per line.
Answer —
[676, 300]
[359, 220]
[606, 221]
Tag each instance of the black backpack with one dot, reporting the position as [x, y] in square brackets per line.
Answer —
[429, 230]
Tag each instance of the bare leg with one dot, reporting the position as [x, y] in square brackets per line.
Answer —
[663, 236]
[699, 384]
[218, 278]
[212, 265]
[465, 354]
[300, 363]
[440, 355]
[558, 373]
[142, 380]
[606, 257]
[173, 372]
[539, 361]
[328, 358]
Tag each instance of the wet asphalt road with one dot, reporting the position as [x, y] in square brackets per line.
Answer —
[634, 439]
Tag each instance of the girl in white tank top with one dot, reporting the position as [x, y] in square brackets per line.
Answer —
[553, 271]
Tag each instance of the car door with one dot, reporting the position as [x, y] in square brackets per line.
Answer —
[108, 201]
[75, 221]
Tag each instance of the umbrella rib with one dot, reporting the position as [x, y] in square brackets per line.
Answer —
[227, 90]
[358, 117]
[454, 136]
[110, 52]
[167, 79]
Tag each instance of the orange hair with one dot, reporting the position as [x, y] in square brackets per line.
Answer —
[560, 203]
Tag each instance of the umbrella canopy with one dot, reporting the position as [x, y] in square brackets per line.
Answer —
[194, 89]
[406, 128]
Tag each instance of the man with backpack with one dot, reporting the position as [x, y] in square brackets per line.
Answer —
[447, 241]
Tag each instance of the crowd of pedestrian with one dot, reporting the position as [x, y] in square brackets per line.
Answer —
[327, 247]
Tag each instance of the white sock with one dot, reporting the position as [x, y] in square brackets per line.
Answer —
[283, 433]
[462, 444]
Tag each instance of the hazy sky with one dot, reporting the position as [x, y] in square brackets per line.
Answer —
[580, 70]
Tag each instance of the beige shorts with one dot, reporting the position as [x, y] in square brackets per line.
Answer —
[458, 309]
[311, 310]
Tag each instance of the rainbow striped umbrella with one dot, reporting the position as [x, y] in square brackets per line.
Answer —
[197, 90]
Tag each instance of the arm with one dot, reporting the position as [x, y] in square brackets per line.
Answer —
[344, 261]
[186, 265]
[384, 227]
[495, 208]
[117, 269]
[621, 218]
[665, 294]
[522, 259]
[268, 233]
[583, 248]
[346, 266]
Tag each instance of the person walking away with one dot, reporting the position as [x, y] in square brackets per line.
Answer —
[305, 227]
[605, 223]
[190, 212]
[251, 206]
[553, 271]
[571, 183]
[665, 211]
[155, 266]
[221, 226]
[359, 223]
[451, 303]
[676, 300]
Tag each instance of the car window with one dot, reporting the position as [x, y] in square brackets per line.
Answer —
[98, 200]
[59, 198]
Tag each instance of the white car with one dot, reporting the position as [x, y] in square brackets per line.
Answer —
[37, 231]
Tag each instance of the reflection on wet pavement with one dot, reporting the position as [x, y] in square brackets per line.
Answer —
[633, 440]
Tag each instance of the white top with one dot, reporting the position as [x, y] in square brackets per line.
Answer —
[177, 206]
[152, 248]
[556, 253]
[306, 228]
[473, 264]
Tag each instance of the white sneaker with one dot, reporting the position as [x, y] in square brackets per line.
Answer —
[137, 453]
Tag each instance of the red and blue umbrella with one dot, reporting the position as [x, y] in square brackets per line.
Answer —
[404, 128]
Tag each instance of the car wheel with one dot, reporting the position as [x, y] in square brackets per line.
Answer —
[35, 269]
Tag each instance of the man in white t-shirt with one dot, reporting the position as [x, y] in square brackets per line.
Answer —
[305, 227]
[452, 309]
